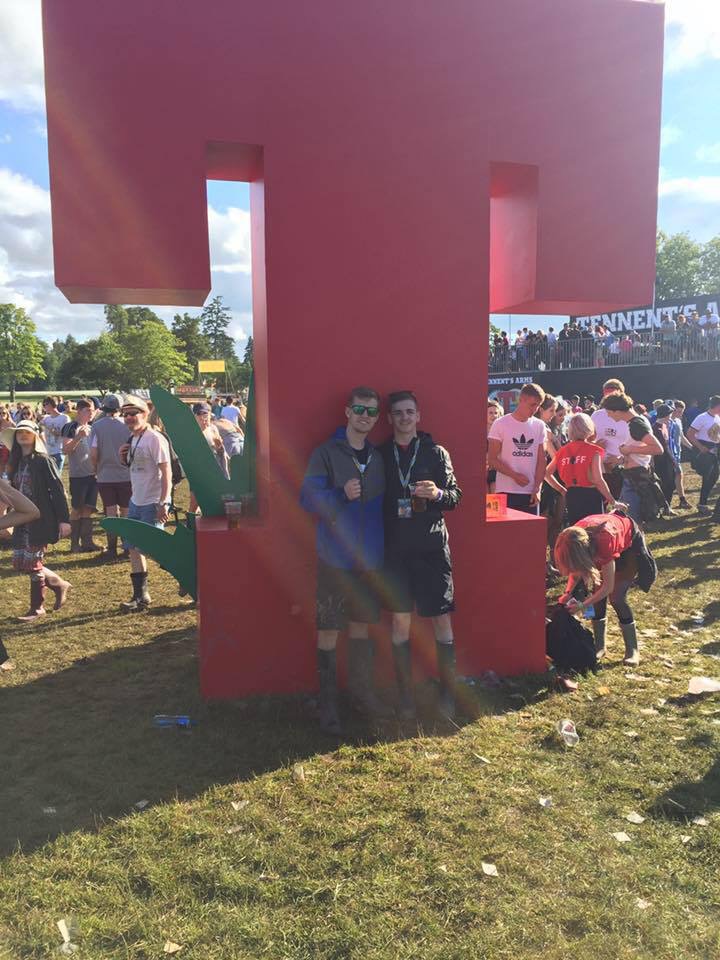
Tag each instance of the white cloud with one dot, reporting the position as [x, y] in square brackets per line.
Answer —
[26, 269]
[704, 190]
[21, 54]
[670, 134]
[710, 153]
[5, 138]
[693, 33]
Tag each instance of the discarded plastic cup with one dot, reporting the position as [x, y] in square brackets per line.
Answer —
[566, 729]
[172, 720]
[698, 685]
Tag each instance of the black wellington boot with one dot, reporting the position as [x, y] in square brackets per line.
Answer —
[446, 670]
[360, 680]
[328, 697]
[140, 598]
[403, 672]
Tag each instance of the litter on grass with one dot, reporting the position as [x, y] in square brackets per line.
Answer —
[642, 904]
[171, 947]
[481, 759]
[633, 734]
[635, 818]
[489, 869]
[700, 821]
[239, 804]
[233, 829]
[650, 712]
[638, 678]
[68, 928]
[566, 729]
[622, 837]
[141, 804]
[686, 838]
[298, 773]
[545, 802]
[700, 685]
[49, 811]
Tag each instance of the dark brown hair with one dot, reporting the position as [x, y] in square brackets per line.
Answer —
[363, 393]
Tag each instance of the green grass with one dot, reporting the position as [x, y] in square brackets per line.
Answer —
[378, 852]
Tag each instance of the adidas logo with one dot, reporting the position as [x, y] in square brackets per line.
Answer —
[523, 447]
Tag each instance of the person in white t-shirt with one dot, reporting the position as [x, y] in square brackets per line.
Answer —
[704, 435]
[637, 453]
[230, 411]
[516, 451]
[52, 426]
[611, 435]
[147, 454]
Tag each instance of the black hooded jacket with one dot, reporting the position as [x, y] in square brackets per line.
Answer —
[48, 495]
[423, 531]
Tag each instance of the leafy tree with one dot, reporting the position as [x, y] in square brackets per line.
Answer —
[193, 342]
[119, 319]
[57, 359]
[98, 363]
[710, 266]
[678, 271]
[152, 355]
[21, 353]
[248, 356]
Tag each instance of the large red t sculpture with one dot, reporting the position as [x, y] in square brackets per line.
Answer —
[413, 166]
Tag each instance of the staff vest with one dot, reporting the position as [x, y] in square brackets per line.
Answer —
[574, 461]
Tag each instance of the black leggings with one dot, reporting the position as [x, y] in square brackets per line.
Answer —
[710, 473]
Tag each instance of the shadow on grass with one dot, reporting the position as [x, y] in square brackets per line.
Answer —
[691, 798]
[80, 747]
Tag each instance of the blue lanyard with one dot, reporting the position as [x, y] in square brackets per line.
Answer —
[405, 478]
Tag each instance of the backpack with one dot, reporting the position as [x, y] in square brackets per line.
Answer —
[569, 644]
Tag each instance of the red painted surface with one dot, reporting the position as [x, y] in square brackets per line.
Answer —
[375, 135]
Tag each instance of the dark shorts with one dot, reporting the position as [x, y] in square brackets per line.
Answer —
[115, 494]
[346, 596]
[83, 492]
[521, 502]
[419, 581]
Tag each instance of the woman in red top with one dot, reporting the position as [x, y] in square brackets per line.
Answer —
[600, 551]
[579, 466]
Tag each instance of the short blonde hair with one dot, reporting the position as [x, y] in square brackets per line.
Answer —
[580, 427]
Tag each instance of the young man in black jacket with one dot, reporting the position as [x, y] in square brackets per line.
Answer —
[419, 485]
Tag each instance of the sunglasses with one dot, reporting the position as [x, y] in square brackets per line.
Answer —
[359, 409]
[132, 413]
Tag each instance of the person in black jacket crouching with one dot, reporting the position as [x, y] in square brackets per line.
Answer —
[419, 485]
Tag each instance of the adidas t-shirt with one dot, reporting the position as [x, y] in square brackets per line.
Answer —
[521, 445]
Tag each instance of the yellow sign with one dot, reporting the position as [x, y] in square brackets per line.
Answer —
[211, 366]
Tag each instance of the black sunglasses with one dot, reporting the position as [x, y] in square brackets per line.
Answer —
[359, 409]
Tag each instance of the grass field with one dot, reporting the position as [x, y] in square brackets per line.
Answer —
[374, 849]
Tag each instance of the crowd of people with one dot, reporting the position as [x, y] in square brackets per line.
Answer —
[598, 471]
[579, 345]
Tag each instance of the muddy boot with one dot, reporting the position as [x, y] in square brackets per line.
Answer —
[632, 655]
[141, 598]
[86, 536]
[446, 670]
[403, 672]
[58, 586]
[75, 535]
[599, 628]
[37, 595]
[360, 680]
[328, 696]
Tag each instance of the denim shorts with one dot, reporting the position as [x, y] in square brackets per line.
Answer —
[145, 514]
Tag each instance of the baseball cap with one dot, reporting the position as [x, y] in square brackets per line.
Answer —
[201, 408]
[664, 411]
[112, 401]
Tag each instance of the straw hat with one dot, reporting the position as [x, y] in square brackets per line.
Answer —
[7, 436]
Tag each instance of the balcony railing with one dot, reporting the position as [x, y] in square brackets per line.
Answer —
[582, 353]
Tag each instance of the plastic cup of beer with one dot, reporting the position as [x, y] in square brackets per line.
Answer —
[419, 504]
[233, 512]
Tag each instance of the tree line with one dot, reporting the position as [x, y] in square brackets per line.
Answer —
[136, 349]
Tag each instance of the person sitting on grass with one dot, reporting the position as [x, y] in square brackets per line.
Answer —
[602, 555]
[34, 474]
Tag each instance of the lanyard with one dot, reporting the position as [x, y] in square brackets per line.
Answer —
[405, 479]
[133, 450]
[362, 467]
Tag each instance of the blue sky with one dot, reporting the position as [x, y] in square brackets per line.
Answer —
[689, 190]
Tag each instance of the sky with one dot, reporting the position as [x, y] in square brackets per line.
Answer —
[689, 185]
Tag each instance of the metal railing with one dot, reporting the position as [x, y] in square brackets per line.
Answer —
[583, 353]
